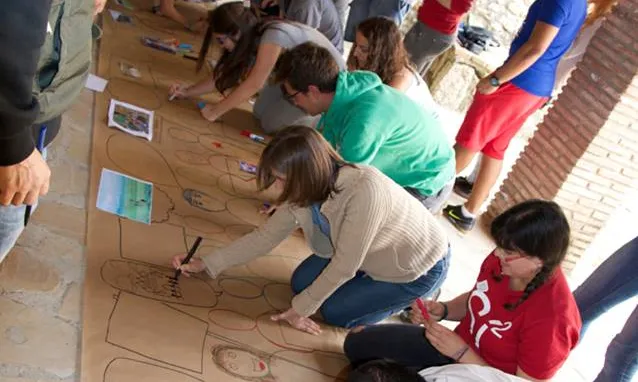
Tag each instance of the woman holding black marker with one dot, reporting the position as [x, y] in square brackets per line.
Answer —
[377, 249]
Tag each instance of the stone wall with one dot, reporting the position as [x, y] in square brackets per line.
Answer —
[503, 17]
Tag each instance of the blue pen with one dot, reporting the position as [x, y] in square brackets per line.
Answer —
[40, 146]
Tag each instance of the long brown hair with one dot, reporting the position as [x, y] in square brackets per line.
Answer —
[233, 19]
[598, 9]
[308, 162]
[386, 53]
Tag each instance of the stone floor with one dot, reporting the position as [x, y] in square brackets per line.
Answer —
[41, 280]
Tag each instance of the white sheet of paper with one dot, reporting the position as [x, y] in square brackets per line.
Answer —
[115, 14]
[96, 83]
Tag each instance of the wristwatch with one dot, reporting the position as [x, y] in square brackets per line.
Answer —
[494, 81]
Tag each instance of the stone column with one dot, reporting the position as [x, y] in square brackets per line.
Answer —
[584, 154]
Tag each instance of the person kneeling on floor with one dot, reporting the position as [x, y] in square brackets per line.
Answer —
[376, 247]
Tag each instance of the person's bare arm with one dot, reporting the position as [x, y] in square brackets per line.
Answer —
[200, 88]
[540, 39]
[402, 80]
[267, 56]
[457, 307]
[167, 7]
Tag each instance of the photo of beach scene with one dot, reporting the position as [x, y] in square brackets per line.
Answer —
[125, 196]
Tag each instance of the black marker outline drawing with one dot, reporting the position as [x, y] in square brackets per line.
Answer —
[109, 329]
[147, 286]
[145, 364]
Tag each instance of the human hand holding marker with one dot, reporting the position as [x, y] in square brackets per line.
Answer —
[178, 91]
[186, 264]
[424, 311]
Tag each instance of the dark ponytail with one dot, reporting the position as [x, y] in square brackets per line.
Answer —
[539, 229]
[233, 19]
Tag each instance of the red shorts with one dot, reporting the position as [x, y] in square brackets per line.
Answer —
[493, 119]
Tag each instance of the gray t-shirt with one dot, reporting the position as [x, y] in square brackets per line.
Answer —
[271, 108]
[291, 34]
[319, 14]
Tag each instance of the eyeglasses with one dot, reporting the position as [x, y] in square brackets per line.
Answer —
[509, 256]
[287, 96]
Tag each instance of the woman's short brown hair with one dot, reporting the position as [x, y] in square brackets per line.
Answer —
[308, 162]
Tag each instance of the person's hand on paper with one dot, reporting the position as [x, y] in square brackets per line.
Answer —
[23, 182]
[209, 112]
[199, 26]
[297, 321]
[178, 91]
[196, 265]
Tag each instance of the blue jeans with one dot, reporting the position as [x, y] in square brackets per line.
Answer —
[11, 226]
[614, 281]
[361, 10]
[362, 300]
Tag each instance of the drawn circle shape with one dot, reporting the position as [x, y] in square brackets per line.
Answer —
[231, 320]
[240, 288]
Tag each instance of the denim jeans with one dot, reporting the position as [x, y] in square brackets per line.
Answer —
[11, 226]
[614, 281]
[361, 10]
[434, 203]
[12, 222]
[362, 300]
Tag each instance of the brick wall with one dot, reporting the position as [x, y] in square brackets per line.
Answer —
[584, 154]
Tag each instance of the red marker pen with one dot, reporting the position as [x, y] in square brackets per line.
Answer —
[422, 308]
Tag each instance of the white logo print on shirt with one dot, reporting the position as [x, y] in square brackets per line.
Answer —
[498, 326]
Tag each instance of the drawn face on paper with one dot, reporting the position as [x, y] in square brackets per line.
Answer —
[240, 362]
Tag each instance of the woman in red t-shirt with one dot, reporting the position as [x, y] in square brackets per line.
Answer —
[520, 317]
[435, 30]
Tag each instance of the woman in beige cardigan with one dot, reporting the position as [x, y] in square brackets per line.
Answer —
[376, 247]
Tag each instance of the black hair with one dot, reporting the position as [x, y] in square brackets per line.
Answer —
[384, 371]
[537, 228]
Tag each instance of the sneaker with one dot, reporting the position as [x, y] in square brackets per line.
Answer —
[463, 187]
[454, 215]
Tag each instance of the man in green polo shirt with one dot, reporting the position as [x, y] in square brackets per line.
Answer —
[372, 123]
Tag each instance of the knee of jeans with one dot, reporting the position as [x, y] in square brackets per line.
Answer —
[298, 281]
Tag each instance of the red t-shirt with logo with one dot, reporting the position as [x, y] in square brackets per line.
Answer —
[536, 336]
